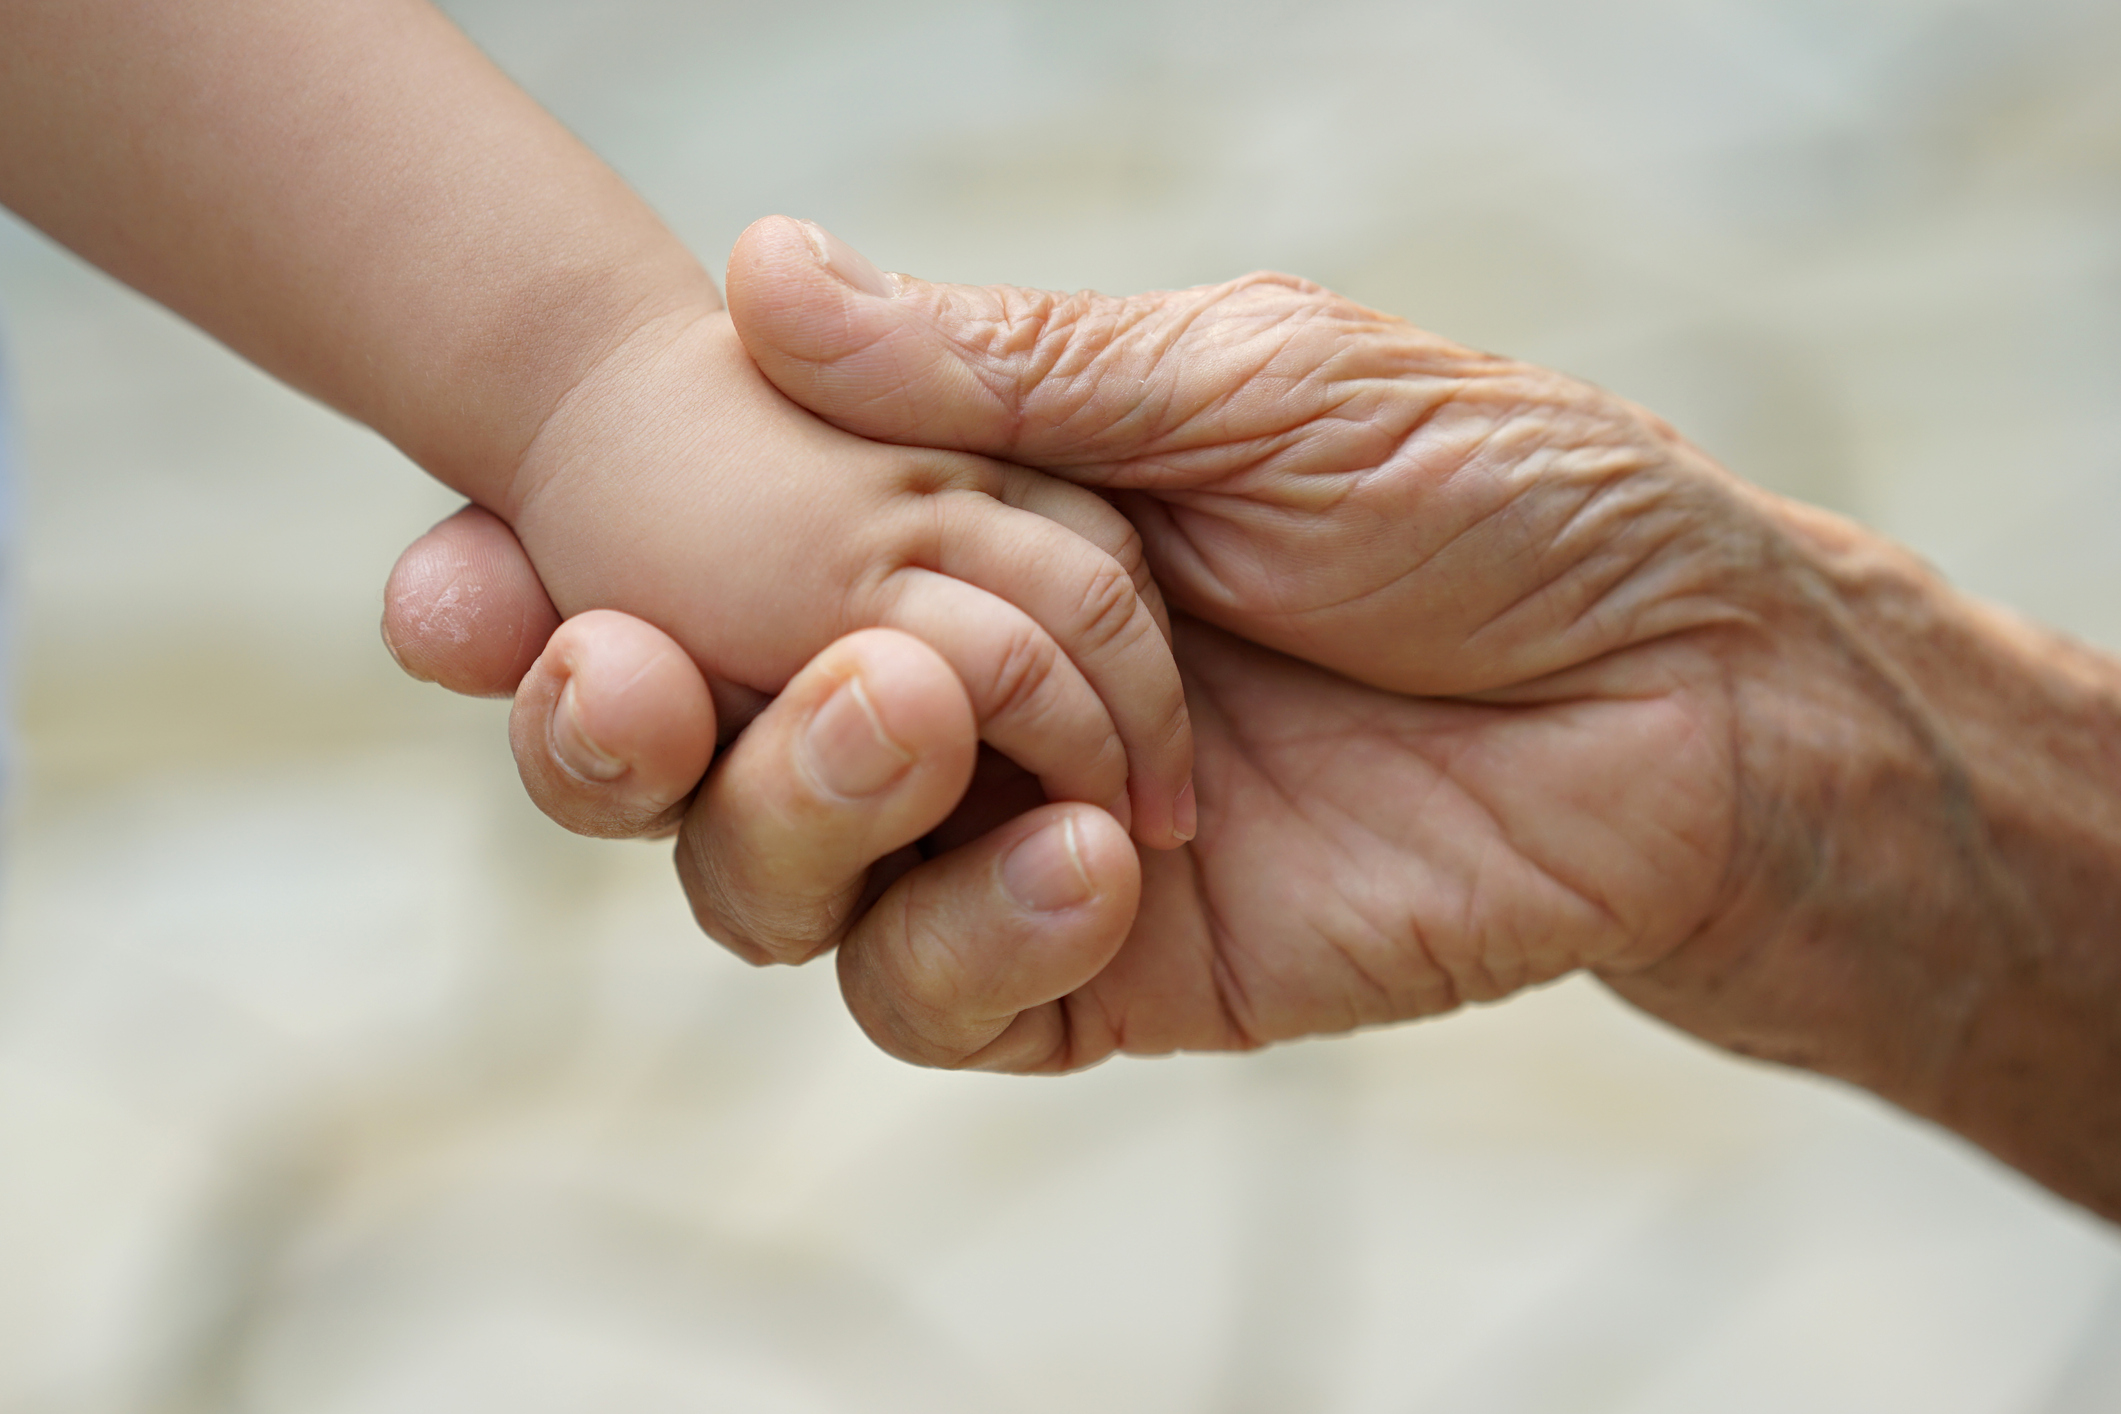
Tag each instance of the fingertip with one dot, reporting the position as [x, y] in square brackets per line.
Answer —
[574, 743]
[464, 608]
[791, 249]
[1121, 809]
[1166, 811]
[786, 302]
[874, 353]
[1173, 822]
[1067, 859]
[1107, 858]
[1164, 817]
[769, 240]
[1185, 821]
[848, 265]
[915, 698]
[1046, 872]
[613, 727]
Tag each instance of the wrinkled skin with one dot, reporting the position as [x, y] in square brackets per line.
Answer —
[1510, 752]
[1492, 677]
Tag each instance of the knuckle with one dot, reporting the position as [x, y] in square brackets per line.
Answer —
[1035, 347]
[762, 925]
[909, 999]
[933, 474]
[1009, 340]
[1127, 551]
[1113, 533]
[1022, 674]
[1022, 324]
[931, 992]
[1174, 719]
[1108, 611]
[612, 820]
[1271, 299]
[783, 931]
[1055, 333]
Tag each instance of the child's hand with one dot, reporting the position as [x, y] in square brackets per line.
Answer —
[677, 484]
[351, 195]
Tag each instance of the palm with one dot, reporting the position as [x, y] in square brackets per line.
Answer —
[1366, 856]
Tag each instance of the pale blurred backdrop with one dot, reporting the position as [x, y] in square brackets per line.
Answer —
[335, 1081]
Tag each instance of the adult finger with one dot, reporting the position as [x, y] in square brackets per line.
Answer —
[464, 608]
[613, 727]
[1193, 389]
[867, 749]
[1045, 379]
[972, 960]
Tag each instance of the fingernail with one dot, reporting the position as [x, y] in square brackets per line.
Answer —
[1045, 873]
[850, 265]
[848, 751]
[571, 744]
[1185, 815]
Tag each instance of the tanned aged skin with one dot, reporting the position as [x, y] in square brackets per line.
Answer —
[1494, 677]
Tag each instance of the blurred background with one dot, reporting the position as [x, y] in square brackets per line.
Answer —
[334, 1081]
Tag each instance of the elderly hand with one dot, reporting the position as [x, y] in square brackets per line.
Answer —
[1509, 750]
[1493, 677]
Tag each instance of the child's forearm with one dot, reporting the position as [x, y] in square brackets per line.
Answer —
[347, 193]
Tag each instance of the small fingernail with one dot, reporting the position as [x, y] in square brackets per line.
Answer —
[571, 744]
[1185, 815]
[848, 264]
[1045, 873]
[849, 752]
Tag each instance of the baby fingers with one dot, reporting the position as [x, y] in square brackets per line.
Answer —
[1065, 563]
[1032, 703]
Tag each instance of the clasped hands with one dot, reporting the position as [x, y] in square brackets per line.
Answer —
[1487, 672]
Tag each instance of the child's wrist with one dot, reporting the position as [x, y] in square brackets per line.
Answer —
[471, 424]
[577, 412]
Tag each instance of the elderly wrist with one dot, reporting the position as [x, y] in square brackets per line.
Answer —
[1902, 894]
[1926, 887]
[2036, 1077]
[1827, 952]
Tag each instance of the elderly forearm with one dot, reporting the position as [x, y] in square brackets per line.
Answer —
[345, 192]
[1931, 895]
[2036, 1076]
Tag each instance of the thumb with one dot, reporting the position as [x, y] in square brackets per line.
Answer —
[1022, 375]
